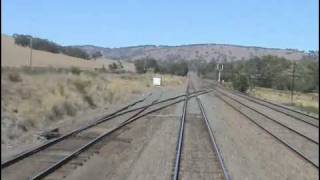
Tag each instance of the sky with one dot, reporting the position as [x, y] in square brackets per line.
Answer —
[119, 23]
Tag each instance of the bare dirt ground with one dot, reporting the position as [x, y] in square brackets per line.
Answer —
[248, 151]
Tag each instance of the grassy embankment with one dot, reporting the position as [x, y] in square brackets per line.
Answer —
[34, 99]
[302, 101]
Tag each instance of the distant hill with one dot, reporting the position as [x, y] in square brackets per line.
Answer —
[13, 55]
[206, 52]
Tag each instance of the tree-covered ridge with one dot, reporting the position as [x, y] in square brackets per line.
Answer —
[46, 45]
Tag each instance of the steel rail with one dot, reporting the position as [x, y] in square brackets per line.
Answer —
[212, 138]
[268, 117]
[213, 141]
[117, 113]
[254, 99]
[176, 169]
[54, 141]
[66, 159]
[276, 137]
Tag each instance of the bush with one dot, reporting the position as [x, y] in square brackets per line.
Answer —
[116, 66]
[81, 85]
[75, 70]
[140, 66]
[57, 112]
[89, 100]
[14, 77]
[113, 66]
[70, 109]
[96, 55]
[103, 69]
[240, 83]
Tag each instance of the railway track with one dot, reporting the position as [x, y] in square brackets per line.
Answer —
[41, 161]
[296, 115]
[305, 146]
[197, 153]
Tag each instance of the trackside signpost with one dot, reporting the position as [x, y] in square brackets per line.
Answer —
[156, 81]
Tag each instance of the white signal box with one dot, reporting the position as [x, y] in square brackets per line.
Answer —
[157, 81]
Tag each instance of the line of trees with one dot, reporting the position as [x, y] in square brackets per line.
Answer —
[179, 68]
[46, 45]
[267, 71]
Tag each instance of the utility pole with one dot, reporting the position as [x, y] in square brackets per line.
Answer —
[30, 60]
[292, 83]
[220, 69]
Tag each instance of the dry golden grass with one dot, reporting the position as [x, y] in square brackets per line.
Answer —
[33, 100]
[13, 55]
[303, 101]
[308, 102]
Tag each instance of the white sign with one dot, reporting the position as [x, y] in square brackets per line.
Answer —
[156, 81]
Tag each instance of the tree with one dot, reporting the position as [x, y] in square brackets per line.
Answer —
[113, 66]
[75, 52]
[46, 45]
[22, 40]
[240, 83]
[145, 64]
[120, 66]
[96, 55]
[140, 66]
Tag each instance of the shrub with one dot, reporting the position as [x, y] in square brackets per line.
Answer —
[81, 85]
[70, 109]
[113, 66]
[89, 100]
[96, 55]
[14, 77]
[57, 112]
[140, 66]
[75, 70]
[240, 83]
[103, 69]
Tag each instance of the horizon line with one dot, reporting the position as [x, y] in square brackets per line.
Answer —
[181, 45]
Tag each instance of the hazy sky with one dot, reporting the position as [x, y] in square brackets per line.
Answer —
[117, 23]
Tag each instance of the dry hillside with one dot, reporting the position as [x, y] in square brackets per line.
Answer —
[206, 52]
[13, 55]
